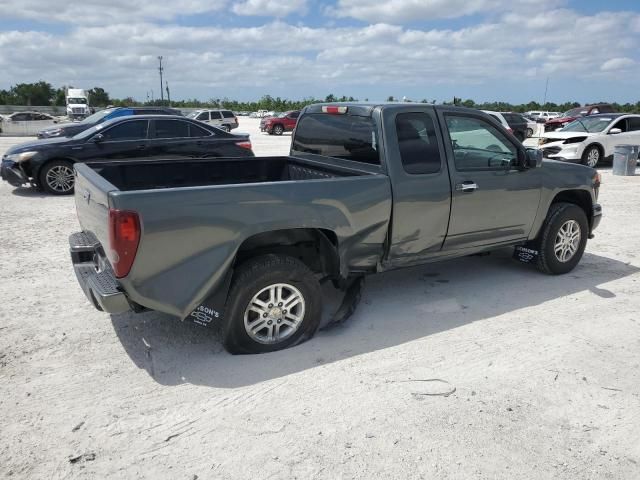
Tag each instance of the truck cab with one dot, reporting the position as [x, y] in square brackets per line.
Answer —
[77, 103]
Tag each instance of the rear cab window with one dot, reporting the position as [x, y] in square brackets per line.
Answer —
[227, 114]
[345, 136]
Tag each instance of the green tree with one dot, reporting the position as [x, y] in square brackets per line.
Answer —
[40, 93]
[98, 97]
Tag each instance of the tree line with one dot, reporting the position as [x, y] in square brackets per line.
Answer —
[44, 94]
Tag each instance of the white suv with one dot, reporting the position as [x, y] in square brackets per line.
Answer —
[542, 115]
[223, 119]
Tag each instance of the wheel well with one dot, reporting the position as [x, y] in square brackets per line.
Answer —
[316, 248]
[600, 147]
[36, 174]
[581, 198]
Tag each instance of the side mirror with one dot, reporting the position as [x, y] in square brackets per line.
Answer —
[97, 138]
[533, 158]
[615, 131]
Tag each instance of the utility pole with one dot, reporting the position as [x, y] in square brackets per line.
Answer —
[546, 89]
[160, 69]
[168, 95]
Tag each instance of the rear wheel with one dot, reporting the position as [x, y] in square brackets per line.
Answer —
[278, 129]
[57, 177]
[274, 303]
[529, 132]
[563, 239]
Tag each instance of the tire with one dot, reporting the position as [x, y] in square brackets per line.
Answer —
[591, 156]
[57, 177]
[529, 132]
[249, 306]
[278, 129]
[225, 128]
[560, 217]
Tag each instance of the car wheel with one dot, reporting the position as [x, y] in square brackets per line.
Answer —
[529, 132]
[274, 303]
[57, 177]
[563, 239]
[278, 130]
[225, 128]
[591, 156]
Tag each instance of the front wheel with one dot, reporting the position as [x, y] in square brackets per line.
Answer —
[591, 156]
[529, 132]
[274, 302]
[563, 239]
[57, 177]
[278, 130]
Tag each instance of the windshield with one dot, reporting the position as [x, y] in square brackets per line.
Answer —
[88, 132]
[588, 124]
[76, 100]
[574, 112]
[96, 117]
[194, 114]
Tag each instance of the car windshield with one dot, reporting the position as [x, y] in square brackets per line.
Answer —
[194, 114]
[588, 124]
[89, 131]
[77, 100]
[574, 112]
[282, 115]
[96, 117]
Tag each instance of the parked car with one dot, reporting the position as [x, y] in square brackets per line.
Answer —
[590, 140]
[515, 125]
[366, 188]
[263, 120]
[542, 116]
[48, 163]
[71, 129]
[284, 122]
[571, 115]
[26, 117]
[224, 119]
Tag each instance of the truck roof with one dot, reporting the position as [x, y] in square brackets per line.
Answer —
[365, 108]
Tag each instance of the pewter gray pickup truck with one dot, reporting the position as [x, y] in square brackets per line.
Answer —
[244, 244]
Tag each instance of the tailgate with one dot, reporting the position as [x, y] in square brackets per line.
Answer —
[92, 202]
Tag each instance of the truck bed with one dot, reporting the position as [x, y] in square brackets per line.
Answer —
[147, 175]
[195, 214]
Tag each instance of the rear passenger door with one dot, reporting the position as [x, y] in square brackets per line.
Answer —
[493, 201]
[421, 187]
[170, 138]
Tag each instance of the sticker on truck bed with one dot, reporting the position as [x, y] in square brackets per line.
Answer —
[204, 315]
[525, 254]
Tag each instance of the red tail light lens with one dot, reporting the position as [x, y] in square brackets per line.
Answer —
[124, 236]
[246, 145]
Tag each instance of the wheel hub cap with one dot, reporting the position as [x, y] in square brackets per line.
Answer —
[274, 314]
[60, 178]
[567, 241]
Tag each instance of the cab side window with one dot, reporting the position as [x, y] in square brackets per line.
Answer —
[203, 117]
[621, 124]
[634, 124]
[478, 145]
[418, 143]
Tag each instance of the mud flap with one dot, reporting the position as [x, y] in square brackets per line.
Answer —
[350, 301]
[526, 253]
[211, 311]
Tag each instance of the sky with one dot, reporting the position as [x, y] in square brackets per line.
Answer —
[486, 50]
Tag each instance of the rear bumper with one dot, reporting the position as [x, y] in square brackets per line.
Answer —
[11, 173]
[95, 277]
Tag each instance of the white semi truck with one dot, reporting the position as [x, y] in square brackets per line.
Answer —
[78, 103]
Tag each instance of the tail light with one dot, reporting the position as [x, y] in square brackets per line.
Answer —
[124, 236]
[246, 144]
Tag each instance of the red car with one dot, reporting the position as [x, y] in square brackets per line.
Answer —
[285, 122]
[574, 113]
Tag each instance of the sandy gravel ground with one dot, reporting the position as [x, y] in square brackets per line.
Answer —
[546, 370]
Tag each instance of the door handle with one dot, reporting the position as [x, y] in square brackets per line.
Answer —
[467, 187]
[141, 147]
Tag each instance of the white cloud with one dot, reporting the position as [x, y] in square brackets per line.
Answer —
[399, 11]
[617, 64]
[81, 12]
[269, 8]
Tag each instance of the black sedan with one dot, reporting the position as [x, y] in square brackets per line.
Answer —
[48, 163]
